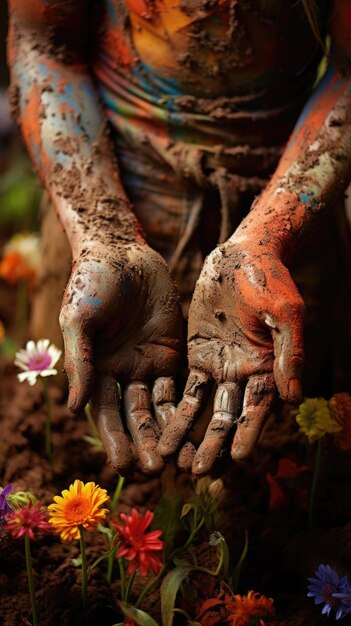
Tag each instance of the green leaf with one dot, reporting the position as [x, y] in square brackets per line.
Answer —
[239, 565]
[95, 443]
[139, 617]
[105, 530]
[77, 562]
[166, 518]
[169, 589]
[187, 508]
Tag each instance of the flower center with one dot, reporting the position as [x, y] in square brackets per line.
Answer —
[327, 591]
[77, 510]
[39, 361]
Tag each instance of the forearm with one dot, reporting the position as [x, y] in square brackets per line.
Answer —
[66, 135]
[313, 172]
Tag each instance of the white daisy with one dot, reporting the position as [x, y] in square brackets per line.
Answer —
[38, 359]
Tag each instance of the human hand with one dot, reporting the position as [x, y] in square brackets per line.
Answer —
[121, 321]
[246, 336]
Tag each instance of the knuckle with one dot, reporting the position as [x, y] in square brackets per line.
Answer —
[292, 308]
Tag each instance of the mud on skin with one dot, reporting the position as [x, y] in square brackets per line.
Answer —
[121, 306]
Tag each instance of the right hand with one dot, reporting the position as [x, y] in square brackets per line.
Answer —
[121, 321]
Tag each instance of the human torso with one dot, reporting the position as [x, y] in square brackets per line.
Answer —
[206, 71]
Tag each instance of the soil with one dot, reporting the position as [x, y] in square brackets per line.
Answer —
[282, 552]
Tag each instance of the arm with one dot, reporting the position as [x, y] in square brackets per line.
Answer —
[120, 316]
[246, 318]
[62, 123]
[315, 168]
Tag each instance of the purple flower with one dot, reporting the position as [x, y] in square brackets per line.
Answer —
[5, 507]
[332, 589]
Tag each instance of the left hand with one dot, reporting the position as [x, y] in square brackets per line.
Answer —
[246, 335]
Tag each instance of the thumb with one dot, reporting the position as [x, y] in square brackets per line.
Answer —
[78, 362]
[287, 337]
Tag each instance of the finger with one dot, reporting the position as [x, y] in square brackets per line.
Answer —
[78, 361]
[164, 398]
[186, 457]
[226, 408]
[258, 399]
[289, 353]
[105, 408]
[195, 394]
[141, 427]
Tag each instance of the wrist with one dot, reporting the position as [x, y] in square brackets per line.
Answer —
[278, 221]
[99, 227]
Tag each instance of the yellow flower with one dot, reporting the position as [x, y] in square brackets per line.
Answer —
[78, 507]
[315, 419]
[340, 405]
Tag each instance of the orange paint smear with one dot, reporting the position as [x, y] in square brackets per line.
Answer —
[31, 127]
[313, 124]
[118, 47]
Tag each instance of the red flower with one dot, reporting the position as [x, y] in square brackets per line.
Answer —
[289, 480]
[27, 519]
[253, 609]
[137, 546]
[210, 612]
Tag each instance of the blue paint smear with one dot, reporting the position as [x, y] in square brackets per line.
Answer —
[308, 198]
[92, 301]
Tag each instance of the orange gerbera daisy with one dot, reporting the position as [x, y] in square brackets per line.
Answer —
[250, 610]
[14, 268]
[78, 507]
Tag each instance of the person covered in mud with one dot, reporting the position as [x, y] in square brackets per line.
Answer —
[155, 126]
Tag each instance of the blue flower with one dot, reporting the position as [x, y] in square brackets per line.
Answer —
[5, 506]
[332, 589]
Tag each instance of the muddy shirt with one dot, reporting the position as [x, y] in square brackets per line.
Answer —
[206, 72]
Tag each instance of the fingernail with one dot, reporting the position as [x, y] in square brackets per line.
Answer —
[72, 399]
[294, 387]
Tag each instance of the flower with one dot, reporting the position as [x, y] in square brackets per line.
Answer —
[315, 419]
[216, 538]
[38, 359]
[210, 612]
[137, 546]
[21, 259]
[5, 506]
[27, 519]
[340, 406]
[290, 480]
[250, 610]
[333, 590]
[22, 498]
[79, 506]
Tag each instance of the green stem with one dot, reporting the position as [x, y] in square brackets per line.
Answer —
[110, 564]
[190, 538]
[317, 465]
[129, 586]
[93, 429]
[114, 504]
[149, 586]
[116, 495]
[122, 577]
[30, 580]
[220, 562]
[21, 310]
[48, 446]
[84, 569]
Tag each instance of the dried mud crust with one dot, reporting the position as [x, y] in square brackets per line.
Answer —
[280, 557]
